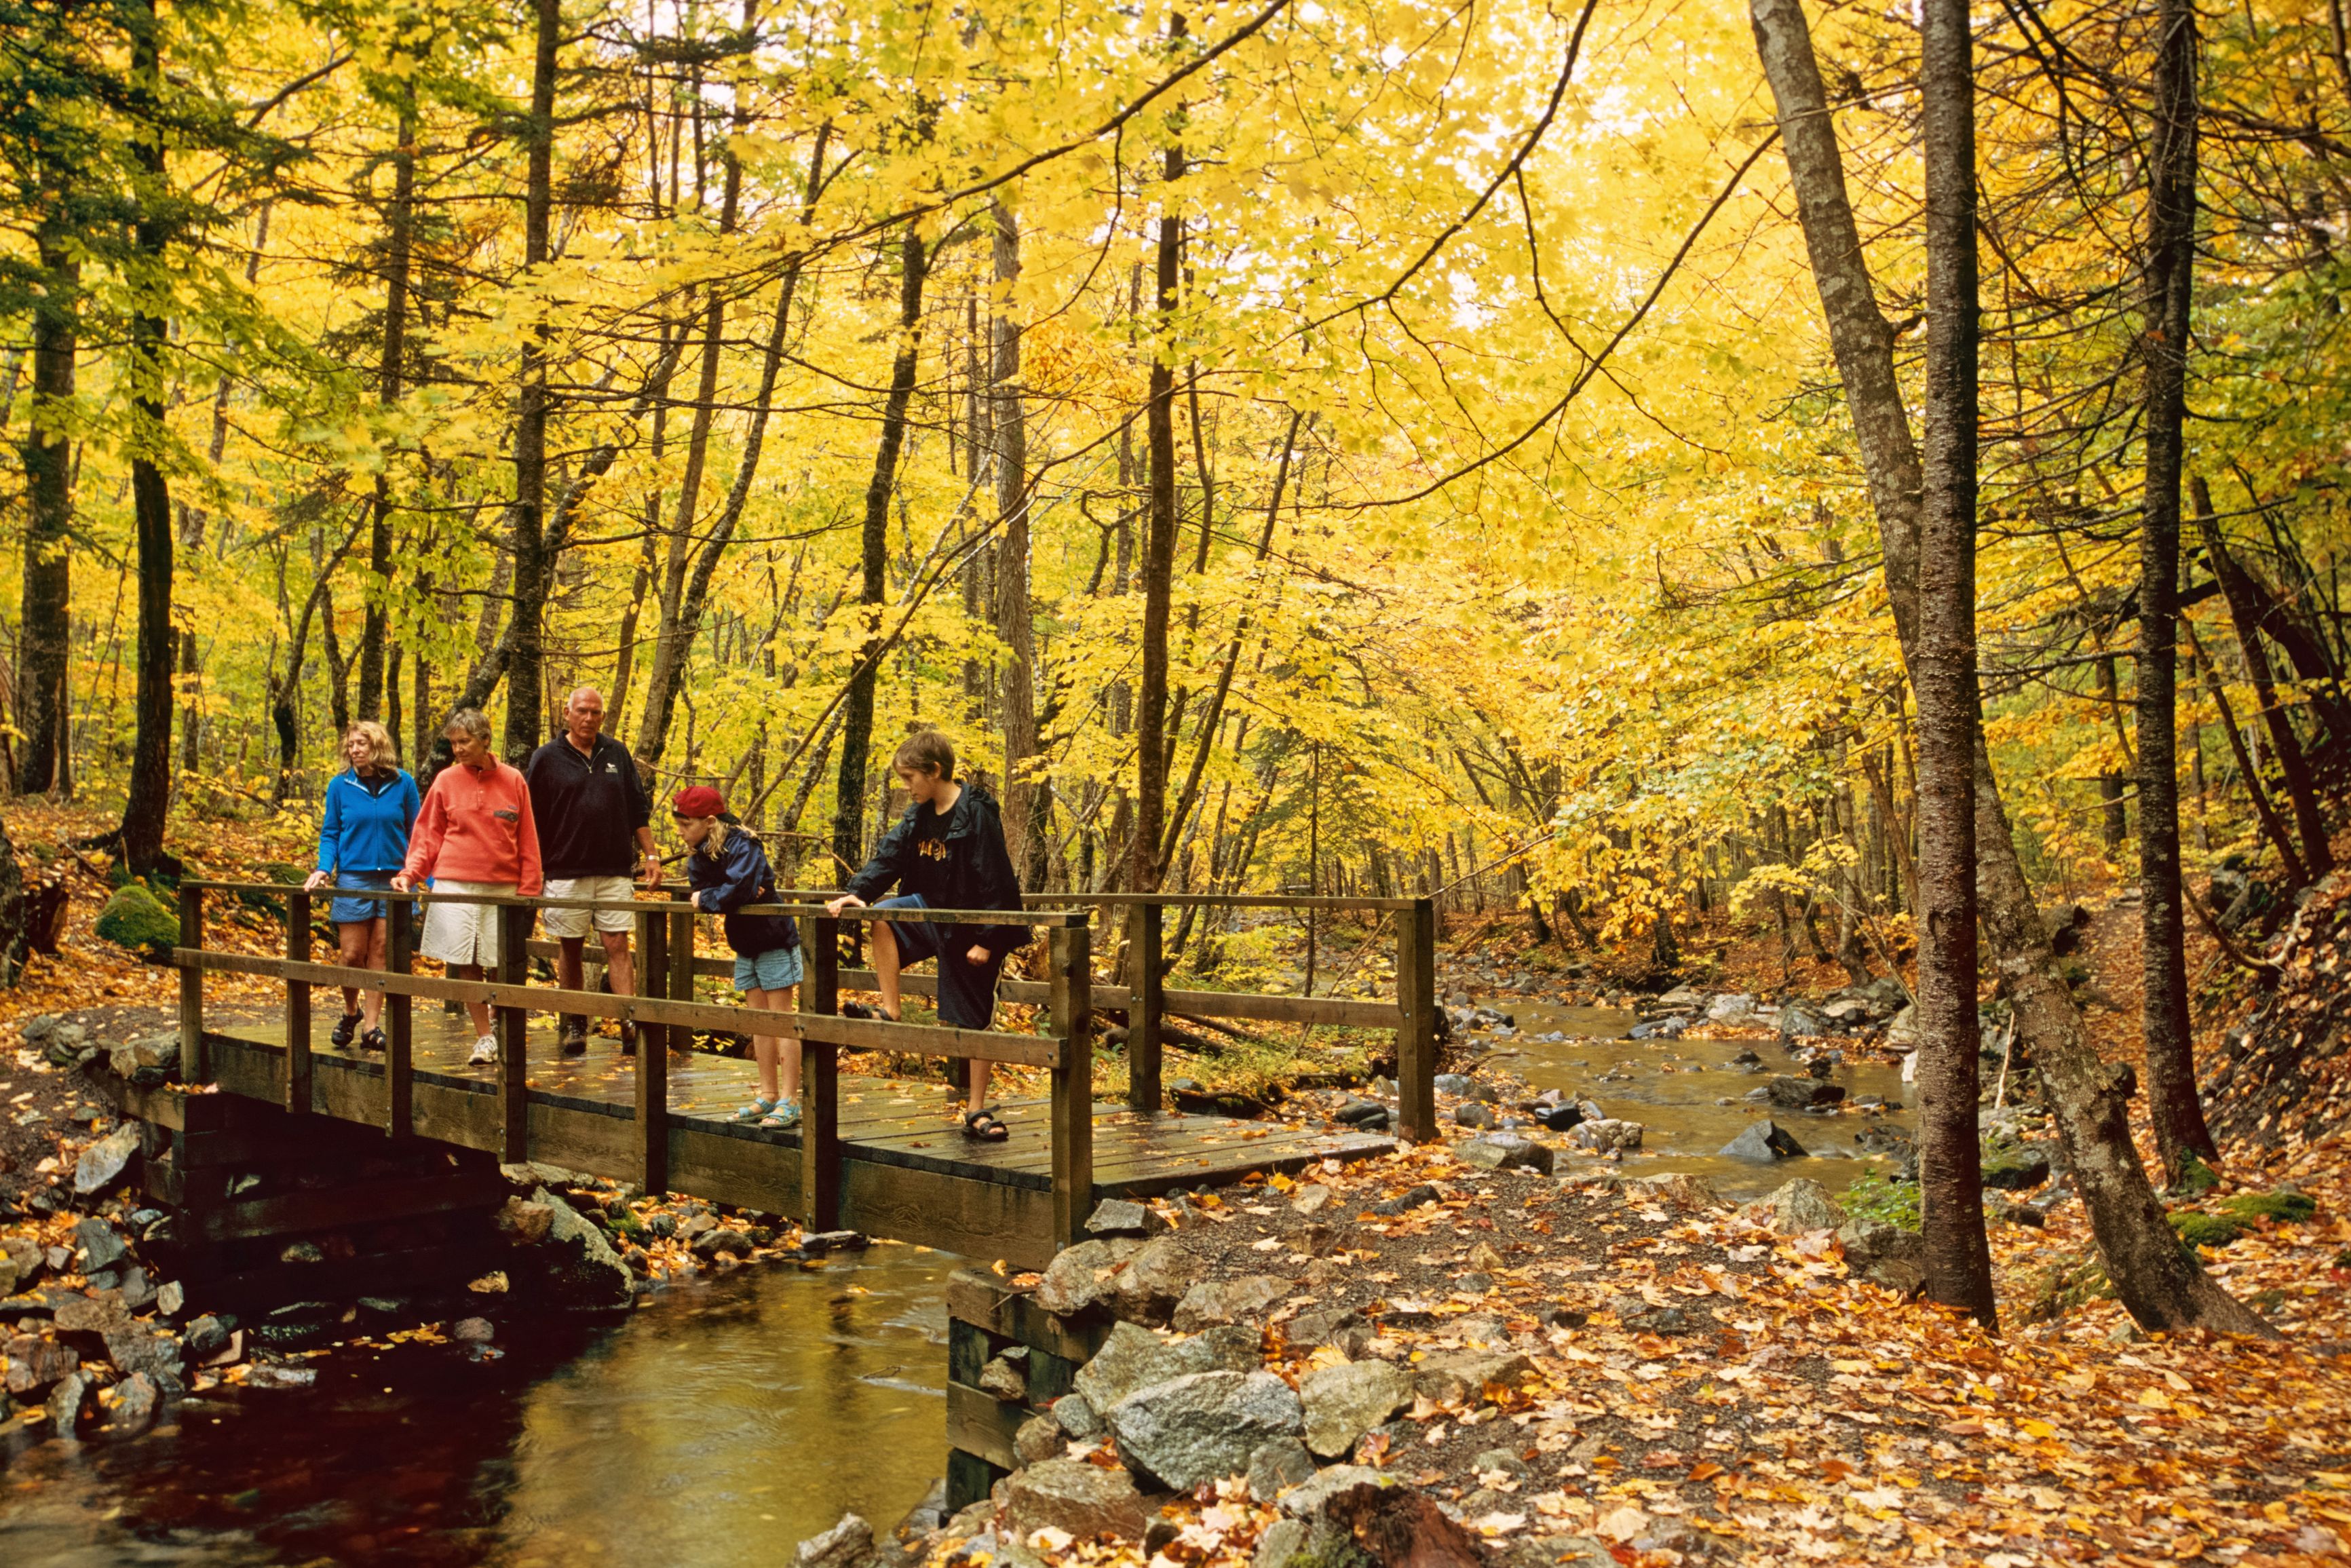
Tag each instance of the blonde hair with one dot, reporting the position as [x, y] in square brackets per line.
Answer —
[713, 843]
[381, 753]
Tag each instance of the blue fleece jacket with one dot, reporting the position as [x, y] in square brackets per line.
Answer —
[367, 823]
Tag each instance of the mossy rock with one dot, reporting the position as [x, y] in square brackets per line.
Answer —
[2013, 1167]
[2279, 1207]
[2197, 1179]
[1872, 1197]
[137, 919]
[2201, 1230]
[2071, 1281]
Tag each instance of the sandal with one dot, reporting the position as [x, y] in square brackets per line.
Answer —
[757, 1109]
[783, 1118]
[372, 1041]
[860, 1010]
[345, 1027]
[983, 1126]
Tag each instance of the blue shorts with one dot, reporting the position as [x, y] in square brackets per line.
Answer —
[967, 990]
[772, 970]
[353, 911]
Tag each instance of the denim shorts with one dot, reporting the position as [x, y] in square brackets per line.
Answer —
[352, 910]
[966, 994]
[769, 971]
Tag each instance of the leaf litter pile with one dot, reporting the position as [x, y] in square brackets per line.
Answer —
[1697, 1384]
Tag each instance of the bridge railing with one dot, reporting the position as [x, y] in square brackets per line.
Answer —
[665, 941]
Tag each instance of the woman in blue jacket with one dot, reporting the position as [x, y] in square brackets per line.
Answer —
[362, 842]
[728, 870]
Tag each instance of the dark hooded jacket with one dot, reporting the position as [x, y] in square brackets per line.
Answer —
[975, 873]
[737, 875]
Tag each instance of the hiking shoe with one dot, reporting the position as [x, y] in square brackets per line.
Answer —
[485, 1052]
[345, 1027]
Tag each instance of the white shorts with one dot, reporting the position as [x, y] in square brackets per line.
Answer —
[573, 922]
[463, 933]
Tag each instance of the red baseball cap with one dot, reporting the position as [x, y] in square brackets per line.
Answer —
[699, 800]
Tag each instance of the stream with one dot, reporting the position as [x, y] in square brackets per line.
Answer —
[1671, 1087]
[721, 1423]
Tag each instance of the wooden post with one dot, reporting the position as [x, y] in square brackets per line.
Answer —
[681, 975]
[1143, 1094]
[1074, 1082]
[820, 1086]
[652, 1061]
[298, 1006]
[191, 986]
[1416, 979]
[653, 976]
[400, 1038]
[514, 1035]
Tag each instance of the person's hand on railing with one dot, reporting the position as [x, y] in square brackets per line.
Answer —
[846, 900]
[653, 871]
[403, 882]
[314, 881]
[978, 956]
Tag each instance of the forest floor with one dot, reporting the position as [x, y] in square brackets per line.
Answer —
[1698, 1381]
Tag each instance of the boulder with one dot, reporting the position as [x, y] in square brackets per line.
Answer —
[2013, 1167]
[1368, 1115]
[847, 1544]
[1154, 1280]
[36, 1363]
[1202, 1425]
[1279, 1465]
[137, 919]
[1038, 1438]
[1409, 1200]
[1073, 1496]
[1801, 1206]
[147, 1060]
[1121, 1217]
[132, 1409]
[1132, 1358]
[576, 1266]
[1902, 1035]
[97, 1314]
[1763, 1142]
[1079, 1278]
[1004, 1380]
[1340, 1327]
[1795, 1094]
[1869, 1242]
[1731, 1008]
[1074, 1413]
[1796, 1021]
[100, 1248]
[1214, 1301]
[1682, 998]
[1475, 1115]
[525, 1223]
[1309, 1500]
[206, 1337]
[1607, 1136]
[724, 1242]
[1463, 1376]
[1679, 1189]
[67, 1403]
[1342, 1403]
[474, 1331]
[138, 1350]
[1508, 1151]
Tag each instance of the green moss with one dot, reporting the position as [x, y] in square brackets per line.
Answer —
[2196, 1179]
[2199, 1229]
[1872, 1197]
[137, 919]
[2280, 1207]
[2072, 1281]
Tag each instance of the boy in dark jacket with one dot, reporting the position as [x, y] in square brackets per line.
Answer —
[945, 852]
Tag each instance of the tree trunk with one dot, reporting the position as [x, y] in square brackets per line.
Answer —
[525, 654]
[857, 720]
[1027, 802]
[372, 636]
[2111, 800]
[1158, 548]
[43, 627]
[1942, 663]
[2180, 1131]
[147, 799]
[2302, 788]
[2160, 1285]
[682, 617]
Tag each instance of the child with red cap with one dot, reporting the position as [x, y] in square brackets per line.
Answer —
[728, 870]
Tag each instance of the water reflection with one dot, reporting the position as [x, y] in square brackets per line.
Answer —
[720, 1425]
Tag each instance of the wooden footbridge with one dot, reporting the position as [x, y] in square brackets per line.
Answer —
[878, 1155]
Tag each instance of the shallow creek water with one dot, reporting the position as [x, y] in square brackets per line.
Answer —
[1670, 1087]
[729, 1419]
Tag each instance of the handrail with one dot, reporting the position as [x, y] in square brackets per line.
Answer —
[649, 905]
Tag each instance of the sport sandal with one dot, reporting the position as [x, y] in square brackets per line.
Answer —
[757, 1108]
[783, 1118]
[372, 1041]
[984, 1126]
[345, 1027]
